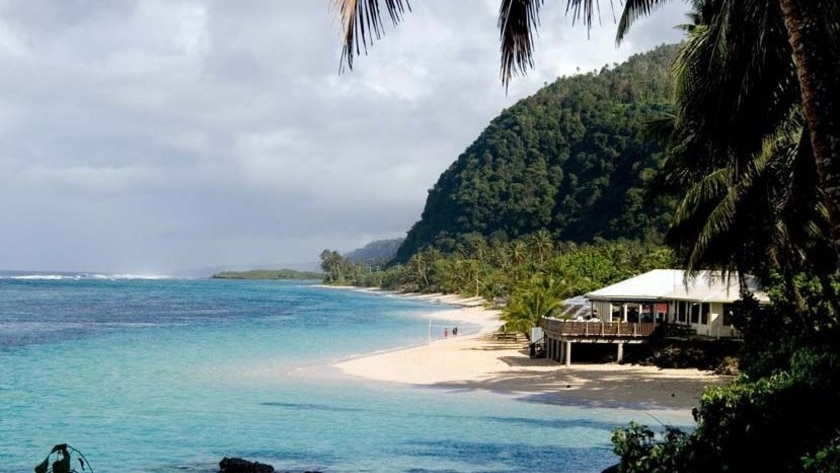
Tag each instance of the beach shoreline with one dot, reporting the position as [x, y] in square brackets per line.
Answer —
[481, 362]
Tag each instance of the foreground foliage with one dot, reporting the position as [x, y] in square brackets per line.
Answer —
[786, 422]
[60, 460]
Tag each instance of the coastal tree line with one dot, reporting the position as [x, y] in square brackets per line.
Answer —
[532, 274]
[753, 164]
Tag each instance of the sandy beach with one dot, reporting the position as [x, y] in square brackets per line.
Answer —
[481, 362]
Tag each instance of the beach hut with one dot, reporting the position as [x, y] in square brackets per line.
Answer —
[701, 302]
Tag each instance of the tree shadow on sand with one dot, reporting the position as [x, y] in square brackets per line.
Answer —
[594, 386]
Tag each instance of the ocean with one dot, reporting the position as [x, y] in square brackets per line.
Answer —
[158, 375]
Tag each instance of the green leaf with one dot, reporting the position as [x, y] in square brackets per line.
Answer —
[62, 465]
[42, 467]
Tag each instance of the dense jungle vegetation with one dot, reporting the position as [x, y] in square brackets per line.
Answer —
[572, 159]
[752, 163]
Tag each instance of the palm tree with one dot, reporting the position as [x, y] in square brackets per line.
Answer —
[518, 253]
[332, 263]
[807, 33]
[741, 158]
[542, 245]
[531, 301]
[459, 273]
[418, 271]
[812, 27]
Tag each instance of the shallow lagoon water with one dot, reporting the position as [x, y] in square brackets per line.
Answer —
[159, 375]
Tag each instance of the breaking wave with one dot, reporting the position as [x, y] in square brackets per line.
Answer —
[58, 276]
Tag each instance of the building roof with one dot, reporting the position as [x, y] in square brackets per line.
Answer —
[671, 284]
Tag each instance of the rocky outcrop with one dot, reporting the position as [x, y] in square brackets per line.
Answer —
[238, 465]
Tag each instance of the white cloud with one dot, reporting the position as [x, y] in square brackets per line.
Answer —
[163, 134]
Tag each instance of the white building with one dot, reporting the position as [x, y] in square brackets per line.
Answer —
[703, 302]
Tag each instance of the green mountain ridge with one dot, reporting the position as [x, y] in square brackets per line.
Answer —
[573, 159]
[376, 253]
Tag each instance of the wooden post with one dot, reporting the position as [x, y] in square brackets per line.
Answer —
[619, 357]
[568, 353]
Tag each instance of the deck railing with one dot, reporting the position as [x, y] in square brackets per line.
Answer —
[597, 329]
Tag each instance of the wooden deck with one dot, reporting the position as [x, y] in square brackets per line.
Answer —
[616, 330]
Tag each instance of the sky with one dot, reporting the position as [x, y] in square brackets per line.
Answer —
[155, 136]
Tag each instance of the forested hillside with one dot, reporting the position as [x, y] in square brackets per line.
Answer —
[572, 159]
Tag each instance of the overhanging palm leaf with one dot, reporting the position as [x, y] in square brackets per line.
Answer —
[361, 21]
[518, 20]
[745, 178]
[633, 10]
[362, 24]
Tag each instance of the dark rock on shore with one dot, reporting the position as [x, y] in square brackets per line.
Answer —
[238, 465]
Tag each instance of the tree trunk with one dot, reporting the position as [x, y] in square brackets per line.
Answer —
[817, 69]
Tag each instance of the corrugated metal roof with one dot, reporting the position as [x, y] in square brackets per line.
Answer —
[670, 284]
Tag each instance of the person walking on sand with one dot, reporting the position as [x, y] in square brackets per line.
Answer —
[445, 332]
[454, 331]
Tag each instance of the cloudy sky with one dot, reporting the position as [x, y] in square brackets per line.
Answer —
[159, 135]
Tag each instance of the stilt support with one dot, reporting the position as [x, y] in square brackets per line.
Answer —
[568, 357]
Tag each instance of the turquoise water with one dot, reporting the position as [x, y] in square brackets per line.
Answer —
[159, 375]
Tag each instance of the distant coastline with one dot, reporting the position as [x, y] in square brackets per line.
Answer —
[269, 274]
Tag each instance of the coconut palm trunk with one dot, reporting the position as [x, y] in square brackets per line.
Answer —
[816, 68]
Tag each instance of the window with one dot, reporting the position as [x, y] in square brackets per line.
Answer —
[695, 313]
[681, 311]
[704, 314]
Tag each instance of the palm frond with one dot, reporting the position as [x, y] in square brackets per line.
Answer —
[583, 10]
[361, 21]
[518, 21]
[719, 222]
[660, 128]
[633, 10]
[709, 189]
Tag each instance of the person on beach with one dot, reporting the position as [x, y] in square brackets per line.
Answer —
[445, 332]
[454, 331]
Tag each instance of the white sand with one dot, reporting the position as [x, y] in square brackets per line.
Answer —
[480, 362]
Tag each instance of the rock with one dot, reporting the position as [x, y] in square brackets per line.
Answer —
[238, 465]
[612, 469]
